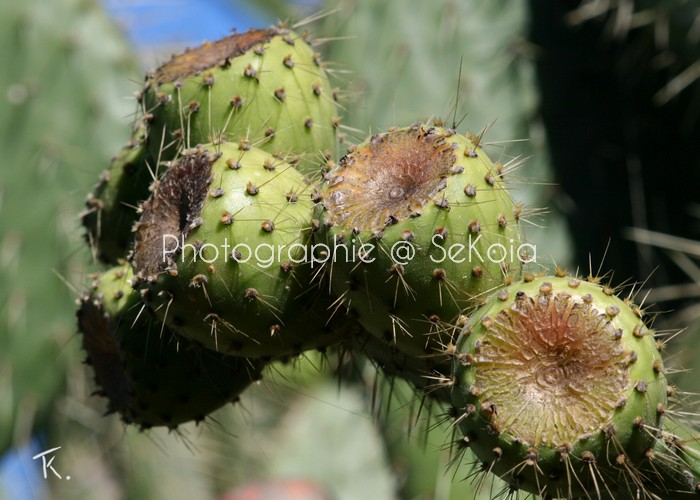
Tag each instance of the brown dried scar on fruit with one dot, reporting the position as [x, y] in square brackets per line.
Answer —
[553, 366]
[173, 210]
[211, 54]
[389, 179]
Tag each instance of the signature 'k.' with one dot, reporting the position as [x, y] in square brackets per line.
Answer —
[47, 462]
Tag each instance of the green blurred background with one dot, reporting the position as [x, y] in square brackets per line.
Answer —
[595, 105]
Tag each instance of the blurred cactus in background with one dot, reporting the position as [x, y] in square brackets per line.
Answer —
[619, 83]
[595, 103]
[64, 110]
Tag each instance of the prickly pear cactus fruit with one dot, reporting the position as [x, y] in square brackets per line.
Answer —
[417, 223]
[265, 87]
[559, 388]
[221, 252]
[111, 208]
[150, 376]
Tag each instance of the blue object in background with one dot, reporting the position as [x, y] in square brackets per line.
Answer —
[160, 23]
[21, 477]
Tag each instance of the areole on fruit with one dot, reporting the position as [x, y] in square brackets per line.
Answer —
[150, 376]
[264, 87]
[560, 388]
[418, 223]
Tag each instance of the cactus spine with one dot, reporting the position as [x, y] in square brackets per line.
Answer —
[112, 205]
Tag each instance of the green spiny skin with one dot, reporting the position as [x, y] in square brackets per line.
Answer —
[221, 250]
[559, 388]
[264, 87]
[673, 464]
[111, 206]
[430, 191]
[150, 376]
[429, 375]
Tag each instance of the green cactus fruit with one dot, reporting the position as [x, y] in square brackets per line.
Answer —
[417, 223]
[559, 387]
[221, 249]
[111, 206]
[265, 87]
[149, 375]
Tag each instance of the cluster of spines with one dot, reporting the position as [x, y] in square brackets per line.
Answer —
[111, 206]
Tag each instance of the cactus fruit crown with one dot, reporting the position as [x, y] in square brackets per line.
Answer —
[389, 179]
[556, 377]
[209, 55]
[428, 190]
[151, 380]
[265, 87]
[174, 209]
